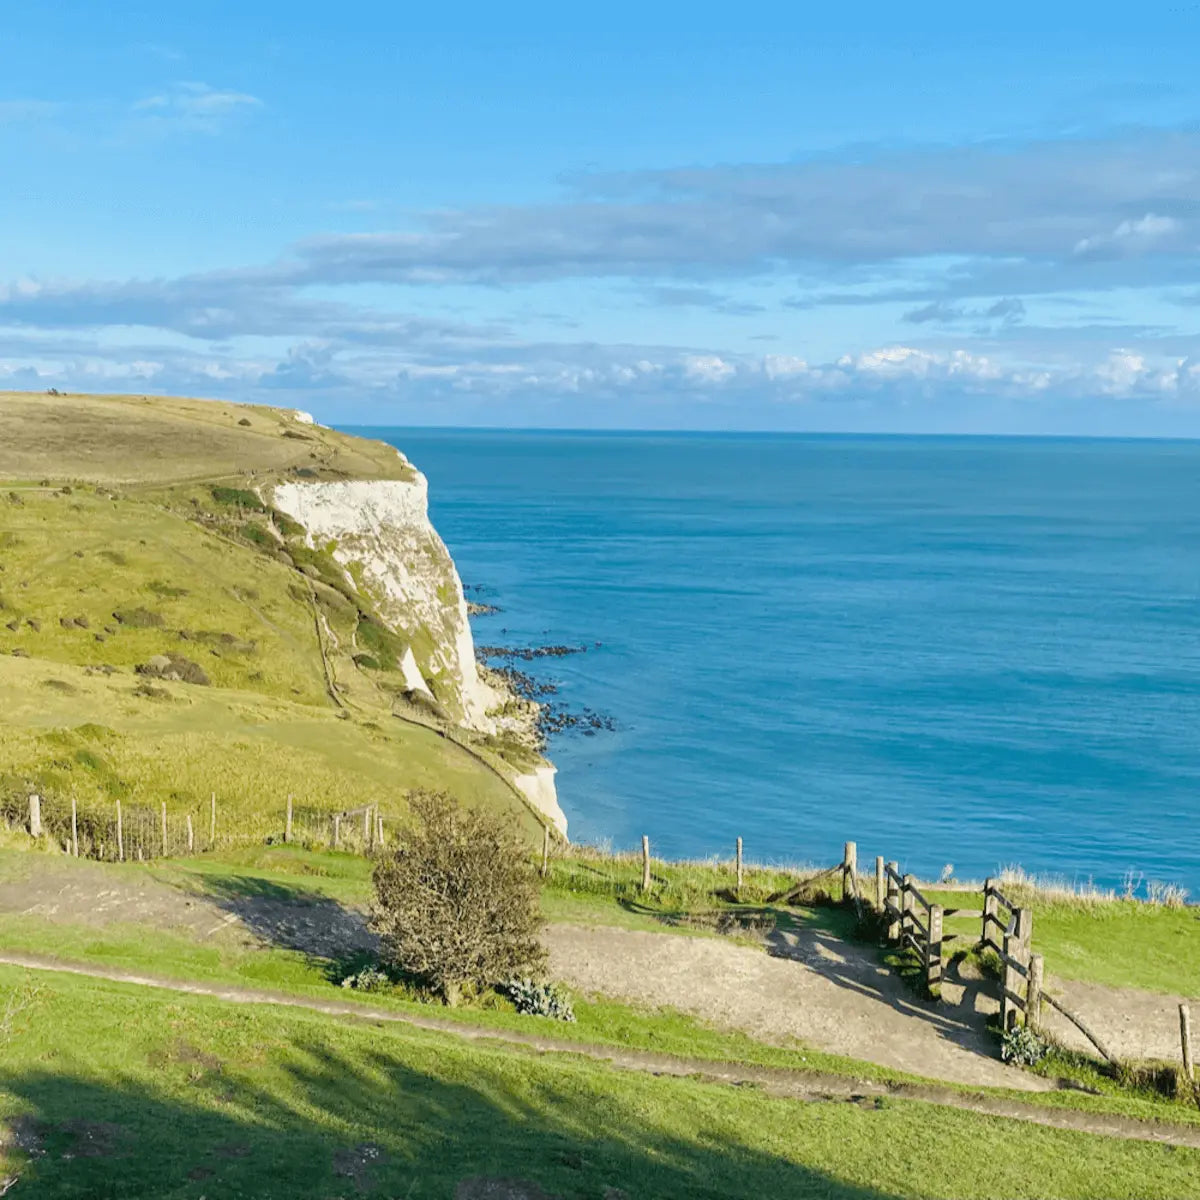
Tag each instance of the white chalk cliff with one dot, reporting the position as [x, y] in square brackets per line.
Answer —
[380, 532]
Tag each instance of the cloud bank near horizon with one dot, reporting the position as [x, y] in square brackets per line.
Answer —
[1040, 272]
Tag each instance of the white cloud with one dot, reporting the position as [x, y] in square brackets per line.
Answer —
[192, 107]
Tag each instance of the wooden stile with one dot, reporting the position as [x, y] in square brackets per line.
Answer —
[933, 949]
[892, 901]
[879, 885]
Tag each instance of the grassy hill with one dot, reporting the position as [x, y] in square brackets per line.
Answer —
[134, 544]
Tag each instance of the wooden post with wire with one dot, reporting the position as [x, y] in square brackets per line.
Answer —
[120, 836]
[850, 871]
[190, 835]
[739, 868]
[74, 826]
[880, 892]
[1185, 1045]
[645, 863]
[287, 825]
[212, 820]
[35, 815]
[545, 850]
[164, 828]
[337, 829]
[1033, 994]
[933, 951]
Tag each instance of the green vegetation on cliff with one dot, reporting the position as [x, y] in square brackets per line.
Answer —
[164, 634]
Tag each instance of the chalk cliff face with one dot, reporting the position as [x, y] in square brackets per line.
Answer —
[380, 532]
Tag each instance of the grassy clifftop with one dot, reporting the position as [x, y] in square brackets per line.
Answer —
[165, 634]
[139, 440]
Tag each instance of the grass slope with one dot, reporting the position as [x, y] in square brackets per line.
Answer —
[144, 440]
[95, 582]
[127, 1093]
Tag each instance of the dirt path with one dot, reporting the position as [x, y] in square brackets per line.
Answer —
[795, 1085]
[813, 987]
[1133, 1023]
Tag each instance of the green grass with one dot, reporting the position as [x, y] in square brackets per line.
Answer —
[132, 1093]
[290, 873]
[1121, 943]
[139, 440]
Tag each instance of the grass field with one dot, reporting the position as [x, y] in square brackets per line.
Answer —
[118, 548]
[152, 440]
[290, 875]
[121, 1093]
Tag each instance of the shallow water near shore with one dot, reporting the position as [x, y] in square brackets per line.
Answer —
[950, 650]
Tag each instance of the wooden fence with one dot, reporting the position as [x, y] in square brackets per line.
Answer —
[134, 832]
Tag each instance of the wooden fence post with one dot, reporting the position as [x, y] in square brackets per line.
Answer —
[893, 900]
[1185, 1045]
[287, 824]
[1033, 995]
[879, 887]
[164, 828]
[337, 829]
[1016, 950]
[645, 863]
[989, 911]
[906, 903]
[74, 827]
[120, 836]
[366, 830]
[933, 950]
[739, 867]
[191, 836]
[849, 871]
[545, 850]
[212, 820]
[35, 815]
[378, 828]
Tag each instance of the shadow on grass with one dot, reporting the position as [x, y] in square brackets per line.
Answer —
[367, 1123]
[292, 917]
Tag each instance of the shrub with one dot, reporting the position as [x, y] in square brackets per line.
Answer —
[540, 999]
[456, 902]
[1022, 1046]
[238, 498]
[369, 979]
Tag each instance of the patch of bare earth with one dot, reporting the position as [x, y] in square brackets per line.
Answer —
[1134, 1024]
[812, 987]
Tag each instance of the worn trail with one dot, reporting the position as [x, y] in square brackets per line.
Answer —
[797, 1085]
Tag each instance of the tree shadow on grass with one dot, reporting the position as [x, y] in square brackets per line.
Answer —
[325, 1116]
[291, 917]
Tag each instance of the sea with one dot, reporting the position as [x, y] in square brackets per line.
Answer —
[960, 653]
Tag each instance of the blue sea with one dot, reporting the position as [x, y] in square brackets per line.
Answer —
[976, 652]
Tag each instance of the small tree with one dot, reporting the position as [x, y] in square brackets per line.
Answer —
[456, 902]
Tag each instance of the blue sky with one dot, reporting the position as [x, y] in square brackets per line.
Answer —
[868, 221]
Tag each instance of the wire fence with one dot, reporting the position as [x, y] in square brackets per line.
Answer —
[130, 831]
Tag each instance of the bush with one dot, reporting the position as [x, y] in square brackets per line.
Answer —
[540, 999]
[238, 498]
[1022, 1046]
[369, 979]
[456, 902]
